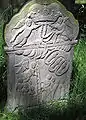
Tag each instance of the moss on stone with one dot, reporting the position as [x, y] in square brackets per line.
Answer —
[27, 8]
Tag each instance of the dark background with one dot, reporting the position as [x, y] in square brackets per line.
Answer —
[70, 4]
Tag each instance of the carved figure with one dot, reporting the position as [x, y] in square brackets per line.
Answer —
[20, 38]
[40, 49]
[53, 37]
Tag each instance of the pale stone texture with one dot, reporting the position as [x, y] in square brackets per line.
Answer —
[40, 40]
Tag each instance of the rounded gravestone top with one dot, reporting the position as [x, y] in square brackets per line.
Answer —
[39, 13]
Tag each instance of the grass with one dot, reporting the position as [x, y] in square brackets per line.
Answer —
[2, 66]
[79, 70]
[8, 116]
[56, 111]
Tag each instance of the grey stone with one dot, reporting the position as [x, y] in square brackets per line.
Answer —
[40, 41]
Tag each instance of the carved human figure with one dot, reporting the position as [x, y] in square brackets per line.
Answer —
[57, 27]
[40, 49]
[20, 38]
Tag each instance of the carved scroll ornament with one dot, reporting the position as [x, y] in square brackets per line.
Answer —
[43, 40]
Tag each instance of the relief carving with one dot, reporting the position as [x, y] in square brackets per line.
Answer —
[28, 72]
[53, 40]
[42, 43]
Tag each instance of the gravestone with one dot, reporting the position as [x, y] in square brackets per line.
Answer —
[40, 40]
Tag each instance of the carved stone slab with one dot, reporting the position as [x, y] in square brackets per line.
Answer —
[40, 40]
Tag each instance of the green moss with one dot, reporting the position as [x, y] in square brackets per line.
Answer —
[27, 8]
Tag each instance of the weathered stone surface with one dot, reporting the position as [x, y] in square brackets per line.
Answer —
[40, 41]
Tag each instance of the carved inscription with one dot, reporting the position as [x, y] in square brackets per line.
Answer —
[54, 39]
[43, 41]
[28, 72]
